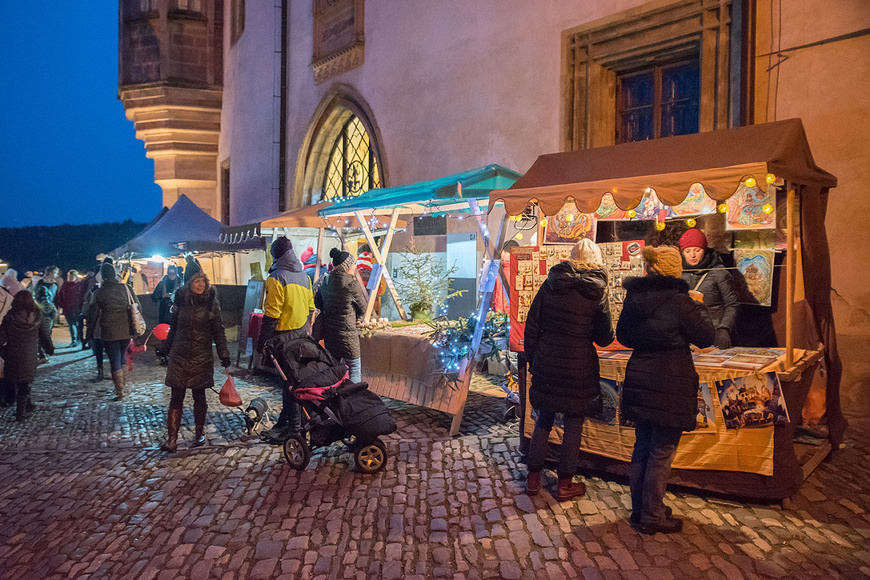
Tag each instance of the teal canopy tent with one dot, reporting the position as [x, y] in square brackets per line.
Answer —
[449, 193]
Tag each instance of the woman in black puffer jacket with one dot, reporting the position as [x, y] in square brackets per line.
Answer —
[196, 325]
[22, 332]
[660, 392]
[341, 303]
[568, 313]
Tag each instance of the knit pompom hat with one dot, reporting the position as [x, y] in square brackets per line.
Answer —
[663, 260]
[693, 238]
[588, 253]
[342, 260]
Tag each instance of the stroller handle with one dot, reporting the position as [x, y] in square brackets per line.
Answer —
[267, 353]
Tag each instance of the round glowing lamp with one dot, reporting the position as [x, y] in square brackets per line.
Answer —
[519, 236]
[767, 208]
[750, 182]
[770, 178]
[660, 225]
[722, 208]
[632, 213]
[691, 222]
[544, 223]
[570, 217]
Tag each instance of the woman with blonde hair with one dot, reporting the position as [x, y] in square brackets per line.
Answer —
[569, 313]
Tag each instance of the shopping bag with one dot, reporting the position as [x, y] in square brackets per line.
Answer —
[229, 396]
[137, 321]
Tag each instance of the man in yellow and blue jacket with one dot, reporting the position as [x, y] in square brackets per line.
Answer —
[287, 310]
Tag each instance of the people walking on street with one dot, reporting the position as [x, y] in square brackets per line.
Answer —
[10, 282]
[342, 303]
[288, 307]
[21, 331]
[162, 295]
[569, 313]
[659, 320]
[69, 301]
[195, 325]
[704, 272]
[110, 311]
[44, 293]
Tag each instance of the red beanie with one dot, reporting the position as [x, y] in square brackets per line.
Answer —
[693, 238]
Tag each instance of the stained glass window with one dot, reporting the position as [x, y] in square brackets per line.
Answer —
[659, 101]
[353, 169]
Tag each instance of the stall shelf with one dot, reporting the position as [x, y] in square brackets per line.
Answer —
[720, 161]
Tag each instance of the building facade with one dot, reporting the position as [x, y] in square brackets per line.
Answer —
[303, 100]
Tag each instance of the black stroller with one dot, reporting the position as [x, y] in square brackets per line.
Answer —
[333, 408]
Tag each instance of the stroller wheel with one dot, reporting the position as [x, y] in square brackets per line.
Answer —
[296, 452]
[371, 457]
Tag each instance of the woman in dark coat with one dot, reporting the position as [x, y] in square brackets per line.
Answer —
[196, 325]
[659, 321]
[44, 294]
[341, 303]
[110, 311]
[704, 272]
[21, 332]
[569, 312]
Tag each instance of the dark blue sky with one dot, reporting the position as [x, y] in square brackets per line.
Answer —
[67, 153]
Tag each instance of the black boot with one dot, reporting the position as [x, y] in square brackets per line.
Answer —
[199, 412]
[100, 376]
[22, 396]
[173, 422]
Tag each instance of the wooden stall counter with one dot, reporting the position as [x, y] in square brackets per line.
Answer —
[743, 444]
[402, 364]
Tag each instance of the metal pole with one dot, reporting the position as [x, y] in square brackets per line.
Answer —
[790, 279]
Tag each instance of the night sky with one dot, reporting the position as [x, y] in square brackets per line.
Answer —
[67, 153]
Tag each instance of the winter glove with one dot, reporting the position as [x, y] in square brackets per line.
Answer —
[225, 363]
[723, 338]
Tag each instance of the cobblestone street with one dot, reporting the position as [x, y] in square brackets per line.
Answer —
[85, 493]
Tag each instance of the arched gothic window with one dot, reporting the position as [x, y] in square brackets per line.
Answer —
[353, 168]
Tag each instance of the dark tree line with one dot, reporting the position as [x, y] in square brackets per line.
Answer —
[66, 246]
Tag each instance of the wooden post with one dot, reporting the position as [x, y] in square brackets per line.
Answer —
[381, 260]
[320, 235]
[790, 279]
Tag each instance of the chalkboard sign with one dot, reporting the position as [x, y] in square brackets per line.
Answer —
[427, 225]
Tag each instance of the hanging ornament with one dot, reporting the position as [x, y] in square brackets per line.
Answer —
[767, 208]
[750, 182]
[691, 222]
[722, 208]
[770, 178]
[632, 213]
[660, 225]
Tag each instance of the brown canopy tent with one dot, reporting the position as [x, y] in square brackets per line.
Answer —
[719, 160]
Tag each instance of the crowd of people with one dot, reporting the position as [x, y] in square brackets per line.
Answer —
[685, 299]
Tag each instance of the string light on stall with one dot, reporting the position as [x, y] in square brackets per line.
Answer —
[691, 222]
[750, 182]
[660, 225]
[770, 178]
[767, 208]
[723, 208]
[632, 214]
[544, 222]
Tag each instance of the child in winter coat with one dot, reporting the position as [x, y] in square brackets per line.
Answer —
[21, 331]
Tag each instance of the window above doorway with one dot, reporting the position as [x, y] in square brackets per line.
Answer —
[353, 168]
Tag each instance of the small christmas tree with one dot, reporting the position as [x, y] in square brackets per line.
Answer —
[424, 282]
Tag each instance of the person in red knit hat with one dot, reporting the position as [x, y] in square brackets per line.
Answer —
[704, 272]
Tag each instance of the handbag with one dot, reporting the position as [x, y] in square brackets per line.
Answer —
[137, 321]
[229, 396]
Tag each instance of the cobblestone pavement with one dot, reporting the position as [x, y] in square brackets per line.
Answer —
[85, 493]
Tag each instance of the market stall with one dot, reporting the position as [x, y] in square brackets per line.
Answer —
[404, 363]
[760, 188]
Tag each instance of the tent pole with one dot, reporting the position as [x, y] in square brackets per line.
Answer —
[381, 258]
[790, 278]
[320, 235]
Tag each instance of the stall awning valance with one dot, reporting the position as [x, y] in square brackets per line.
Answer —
[182, 227]
[439, 194]
[719, 160]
